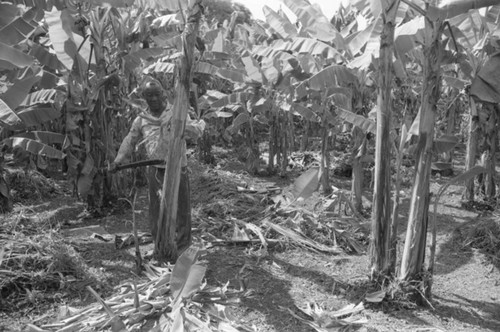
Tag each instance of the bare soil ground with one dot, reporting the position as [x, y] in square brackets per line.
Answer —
[466, 285]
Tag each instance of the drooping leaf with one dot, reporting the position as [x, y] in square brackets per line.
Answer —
[165, 20]
[8, 13]
[8, 118]
[187, 274]
[16, 94]
[305, 112]
[315, 23]
[38, 114]
[47, 137]
[408, 36]
[34, 147]
[306, 184]
[332, 76]
[451, 8]
[240, 120]
[368, 36]
[224, 73]
[367, 125]
[159, 67]
[44, 96]
[67, 44]
[299, 45]
[234, 98]
[45, 57]
[135, 59]
[486, 85]
[253, 69]
[14, 56]
[16, 32]
[280, 24]
[375, 297]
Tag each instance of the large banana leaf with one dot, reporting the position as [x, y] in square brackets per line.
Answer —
[45, 57]
[306, 184]
[305, 112]
[231, 75]
[334, 75]
[14, 56]
[38, 114]
[486, 85]
[16, 94]
[187, 275]
[253, 70]
[47, 137]
[451, 8]
[67, 44]
[46, 5]
[34, 147]
[16, 31]
[159, 67]
[8, 13]
[240, 120]
[135, 59]
[343, 110]
[280, 24]
[234, 98]
[315, 23]
[370, 36]
[165, 21]
[44, 96]
[8, 118]
[299, 45]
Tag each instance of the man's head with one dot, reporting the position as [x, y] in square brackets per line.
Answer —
[152, 92]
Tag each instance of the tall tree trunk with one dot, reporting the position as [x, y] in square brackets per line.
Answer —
[165, 242]
[358, 150]
[414, 249]
[470, 159]
[284, 143]
[304, 142]
[450, 125]
[253, 160]
[381, 213]
[325, 162]
[491, 143]
[273, 139]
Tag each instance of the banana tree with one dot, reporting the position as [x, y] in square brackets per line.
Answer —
[165, 243]
[30, 100]
[415, 243]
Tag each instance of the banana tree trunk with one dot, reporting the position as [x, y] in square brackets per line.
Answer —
[414, 248]
[304, 142]
[491, 139]
[165, 242]
[325, 153]
[253, 160]
[472, 141]
[450, 126]
[357, 168]
[273, 140]
[381, 213]
[284, 142]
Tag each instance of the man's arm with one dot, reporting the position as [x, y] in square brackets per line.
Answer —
[129, 142]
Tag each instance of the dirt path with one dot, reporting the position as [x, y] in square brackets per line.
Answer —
[466, 285]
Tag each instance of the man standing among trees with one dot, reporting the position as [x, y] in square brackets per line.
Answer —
[146, 130]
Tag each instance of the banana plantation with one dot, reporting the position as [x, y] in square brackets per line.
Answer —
[345, 178]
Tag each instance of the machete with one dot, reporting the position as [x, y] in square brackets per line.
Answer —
[140, 163]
